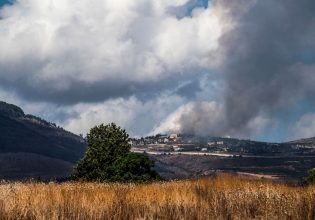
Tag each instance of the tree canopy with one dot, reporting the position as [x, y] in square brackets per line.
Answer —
[108, 158]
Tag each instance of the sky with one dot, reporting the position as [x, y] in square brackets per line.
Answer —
[241, 68]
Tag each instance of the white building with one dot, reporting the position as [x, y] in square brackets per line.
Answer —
[211, 143]
[173, 136]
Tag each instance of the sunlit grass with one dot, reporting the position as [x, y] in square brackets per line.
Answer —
[225, 197]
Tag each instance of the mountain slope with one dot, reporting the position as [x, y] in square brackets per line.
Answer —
[30, 135]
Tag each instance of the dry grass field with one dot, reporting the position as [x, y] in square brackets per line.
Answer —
[224, 197]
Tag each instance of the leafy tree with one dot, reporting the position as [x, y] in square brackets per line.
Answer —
[310, 178]
[108, 158]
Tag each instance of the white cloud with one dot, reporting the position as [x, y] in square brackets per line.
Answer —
[53, 52]
[54, 44]
[135, 116]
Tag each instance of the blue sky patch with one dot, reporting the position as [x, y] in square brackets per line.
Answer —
[187, 9]
[5, 2]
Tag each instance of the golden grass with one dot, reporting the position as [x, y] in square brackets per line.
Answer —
[225, 197]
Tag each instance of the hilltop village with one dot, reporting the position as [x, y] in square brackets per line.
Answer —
[181, 143]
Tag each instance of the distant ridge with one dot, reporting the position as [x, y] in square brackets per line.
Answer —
[304, 141]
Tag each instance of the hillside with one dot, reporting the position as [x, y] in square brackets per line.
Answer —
[45, 145]
[17, 166]
[31, 147]
[187, 156]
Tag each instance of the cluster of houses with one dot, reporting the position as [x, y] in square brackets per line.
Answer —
[190, 143]
[304, 146]
[174, 142]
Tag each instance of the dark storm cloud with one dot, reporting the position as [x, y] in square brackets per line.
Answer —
[268, 68]
[78, 91]
[264, 72]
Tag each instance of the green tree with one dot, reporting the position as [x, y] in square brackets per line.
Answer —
[107, 153]
[310, 178]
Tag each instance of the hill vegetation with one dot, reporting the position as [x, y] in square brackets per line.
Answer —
[10, 110]
[224, 197]
[29, 135]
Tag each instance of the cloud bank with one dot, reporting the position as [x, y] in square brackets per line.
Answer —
[69, 52]
[237, 68]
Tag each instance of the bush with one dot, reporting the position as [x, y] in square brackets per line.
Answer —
[134, 167]
[108, 158]
[310, 178]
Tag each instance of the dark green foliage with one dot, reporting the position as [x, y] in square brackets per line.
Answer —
[310, 178]
[134, 167]
[108, 158]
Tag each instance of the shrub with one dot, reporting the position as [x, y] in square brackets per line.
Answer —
[310, 178]
[134, 167]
